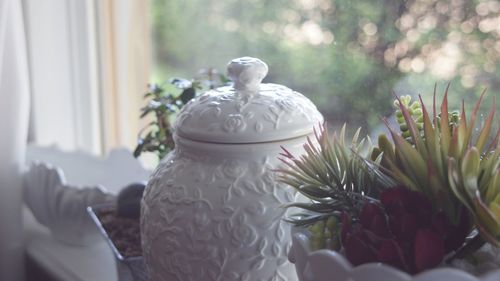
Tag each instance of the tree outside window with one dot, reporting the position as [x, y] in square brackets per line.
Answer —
[347, 56]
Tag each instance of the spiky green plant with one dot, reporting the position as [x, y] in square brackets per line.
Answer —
[448, 164]
[475, 180]
[333, 174]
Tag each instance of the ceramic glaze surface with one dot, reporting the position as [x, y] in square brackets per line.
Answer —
[211, 210]
[248, 112]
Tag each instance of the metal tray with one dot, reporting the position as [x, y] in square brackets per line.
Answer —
[129, 268]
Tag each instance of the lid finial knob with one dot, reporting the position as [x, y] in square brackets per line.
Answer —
[247, 73]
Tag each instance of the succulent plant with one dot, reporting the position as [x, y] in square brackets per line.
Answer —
[448, 164]
[409, 202]
[414, 110]
[333, 174]
[475, 180]
[325, 234]
[401, 230]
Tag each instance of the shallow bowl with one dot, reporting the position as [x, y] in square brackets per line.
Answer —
[327, 265]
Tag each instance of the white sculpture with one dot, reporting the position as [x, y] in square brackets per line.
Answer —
[62, 207]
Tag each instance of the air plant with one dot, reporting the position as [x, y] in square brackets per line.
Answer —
[333, 174]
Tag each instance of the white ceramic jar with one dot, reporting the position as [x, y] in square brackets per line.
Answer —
[211, 210]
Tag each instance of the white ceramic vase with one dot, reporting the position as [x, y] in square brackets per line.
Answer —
[211, 210]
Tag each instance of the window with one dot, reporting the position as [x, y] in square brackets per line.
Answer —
[347, 56]
[90, 60]
[89, 67]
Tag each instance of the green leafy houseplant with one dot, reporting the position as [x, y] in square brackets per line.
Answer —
[156, 136]
[408, 202]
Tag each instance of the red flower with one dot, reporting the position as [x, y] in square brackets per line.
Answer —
[403, 231]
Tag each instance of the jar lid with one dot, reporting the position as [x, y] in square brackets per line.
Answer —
[249, 111]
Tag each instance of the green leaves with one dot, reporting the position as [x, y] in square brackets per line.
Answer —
[476, 183]
[164, 106]
[187, 95]
[474, 178]
[158, 138]
[470, 171]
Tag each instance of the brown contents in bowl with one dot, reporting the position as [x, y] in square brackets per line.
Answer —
[125, 233]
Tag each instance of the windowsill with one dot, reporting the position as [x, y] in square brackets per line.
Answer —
[65, 262]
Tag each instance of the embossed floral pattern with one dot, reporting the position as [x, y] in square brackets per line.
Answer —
[182, 118]
[288, 105]
[201, 220]
[171, 245]
[234, 123]
[175, 194]
[257, 209]
[232, 169]
[181, 262]
[269, 177]
[243, 236]
[223, 224]
[223, 115]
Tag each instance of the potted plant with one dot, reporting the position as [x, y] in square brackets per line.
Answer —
[118, 222]
[410, 208]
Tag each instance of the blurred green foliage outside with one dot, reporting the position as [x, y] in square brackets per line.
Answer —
[346, 56]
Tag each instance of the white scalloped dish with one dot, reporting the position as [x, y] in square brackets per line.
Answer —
[327, 265]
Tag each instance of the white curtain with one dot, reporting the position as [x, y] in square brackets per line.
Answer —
[14, 106]
[64, 79]
[124, 46]
[89, 67]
